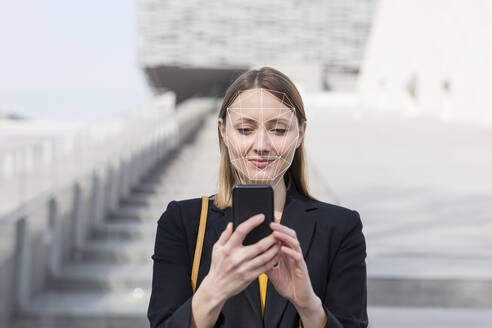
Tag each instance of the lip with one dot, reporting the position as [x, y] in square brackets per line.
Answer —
[260, 163]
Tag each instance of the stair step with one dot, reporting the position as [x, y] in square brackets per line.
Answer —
[136, 212]
[411, 317]
[88, 309]
[125, 229]
[430, 267]
[147, 199]
[178, 186]
[103, 276]
[134, 251]
[162, 199]
[79, 321]
[430, 281]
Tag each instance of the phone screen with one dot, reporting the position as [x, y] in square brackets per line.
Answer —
[249, 200]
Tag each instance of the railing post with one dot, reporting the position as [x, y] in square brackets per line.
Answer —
[113, 189]
[126, 172]
[78, 218]
[97, 200]
[23, 264]
[134, 167]
[152, 153]
[123, 178]
[55, 234]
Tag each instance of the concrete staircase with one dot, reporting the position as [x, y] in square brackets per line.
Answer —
[108, 281]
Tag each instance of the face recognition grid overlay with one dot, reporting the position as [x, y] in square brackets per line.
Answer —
[261, 124]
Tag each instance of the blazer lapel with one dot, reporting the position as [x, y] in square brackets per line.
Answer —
[296, 215]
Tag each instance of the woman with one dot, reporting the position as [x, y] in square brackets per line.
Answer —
[310, 271]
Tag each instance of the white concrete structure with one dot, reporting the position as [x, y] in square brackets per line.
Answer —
[58, 187]
[241, 33]
[430, 58]
[39, 156]
[214, 39]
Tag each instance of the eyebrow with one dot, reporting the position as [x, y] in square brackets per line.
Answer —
[279, 120]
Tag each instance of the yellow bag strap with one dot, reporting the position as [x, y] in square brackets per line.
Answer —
[199, 243]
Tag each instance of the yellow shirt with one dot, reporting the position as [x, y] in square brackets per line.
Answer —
[263, 281]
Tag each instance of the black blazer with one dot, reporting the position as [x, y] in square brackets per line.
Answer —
[332, 243]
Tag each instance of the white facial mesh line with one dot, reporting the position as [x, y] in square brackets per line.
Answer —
[235, 142]
[289, 125]
[297, 136]
[241, 163]
[273, 147]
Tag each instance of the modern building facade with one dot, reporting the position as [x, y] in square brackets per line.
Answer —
[198, 46]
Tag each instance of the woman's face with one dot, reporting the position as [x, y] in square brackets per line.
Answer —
[261, 134]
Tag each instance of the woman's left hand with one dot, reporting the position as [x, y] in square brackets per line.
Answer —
[291, 277]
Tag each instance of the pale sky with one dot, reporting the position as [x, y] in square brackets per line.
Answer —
[69, 59]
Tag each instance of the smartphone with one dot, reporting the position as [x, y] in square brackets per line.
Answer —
[249, 200]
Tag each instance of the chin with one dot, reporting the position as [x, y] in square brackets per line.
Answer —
[261, 180]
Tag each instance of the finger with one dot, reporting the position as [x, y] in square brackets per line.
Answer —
[267, 267]
[280, 227]
[244, 228]
[259, 247]
[225, 235]
[273, 270]
[296, 256]
[259, 262]
[288, 240]
[277, 262]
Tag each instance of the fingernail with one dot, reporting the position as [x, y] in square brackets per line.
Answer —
[261, 217]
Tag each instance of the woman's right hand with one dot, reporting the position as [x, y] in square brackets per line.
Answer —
[234, 266]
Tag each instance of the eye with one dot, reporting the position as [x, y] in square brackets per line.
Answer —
[280, 131]
[244, 130]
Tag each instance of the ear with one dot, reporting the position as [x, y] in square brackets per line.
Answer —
[221, 126]
[302, 132]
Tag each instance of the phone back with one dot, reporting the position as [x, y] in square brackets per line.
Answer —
[249, 200]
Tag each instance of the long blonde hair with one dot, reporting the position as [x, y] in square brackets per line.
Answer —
[268, 78]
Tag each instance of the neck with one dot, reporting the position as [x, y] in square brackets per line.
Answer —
[279, 195]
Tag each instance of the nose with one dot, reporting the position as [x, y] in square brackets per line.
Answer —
[262, 144]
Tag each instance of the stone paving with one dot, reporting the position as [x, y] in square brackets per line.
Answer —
[423, 188]
[424, 191]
